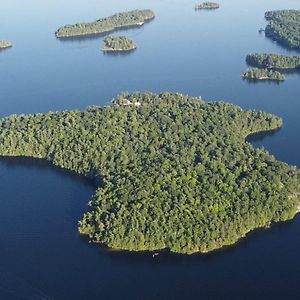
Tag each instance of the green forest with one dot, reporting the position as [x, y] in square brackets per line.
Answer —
[284, 27]
[273, 61]
[118, 43]
[263, 74]
[172, 171]
[117, 21]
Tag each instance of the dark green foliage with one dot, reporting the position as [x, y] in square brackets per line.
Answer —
[273, 61]
[109, 24]
[176, 172]
[263, 74]
[207, 5]
[284, 27]
[118, 43]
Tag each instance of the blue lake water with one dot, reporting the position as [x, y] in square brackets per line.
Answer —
[197, 53]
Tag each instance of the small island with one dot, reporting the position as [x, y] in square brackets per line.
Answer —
[273, 61]
[118, 44]
[207, 5]
[284, 27]
[118, 21]
[172, 171]
[5, 44]
[263, 74]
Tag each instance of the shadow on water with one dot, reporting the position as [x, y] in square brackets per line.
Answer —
[257, 81]
[5, 49]
[75, 210]
[206, 11]
[40, 164]
[285, 48]
[260, 136]
[118, 53]
[291, 72]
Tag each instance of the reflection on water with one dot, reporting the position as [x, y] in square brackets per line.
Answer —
[119, 53]
[291, 72]
[260, 136]
[42, 164]
[5, 49]
[257, 81]
[289, 51]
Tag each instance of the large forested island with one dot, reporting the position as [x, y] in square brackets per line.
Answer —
[172, 171]
[273, 61]
[284, 27]
[118, 44]
[207, 5]
[263, 74]
[117, 21]
[5, 44]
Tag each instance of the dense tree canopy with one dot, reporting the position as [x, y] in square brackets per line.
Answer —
[172, 171]
[118, 43]
[263, 74]
[284, 27]
[109, 24]
[273, 61]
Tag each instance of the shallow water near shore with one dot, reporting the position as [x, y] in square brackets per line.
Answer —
[201, 53]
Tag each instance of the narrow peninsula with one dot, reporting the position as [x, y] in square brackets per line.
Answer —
[173, 172]
[115, 22]
[207, 5]
[263, 74]
[118, 44]
[284, 27]
[5, 44]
